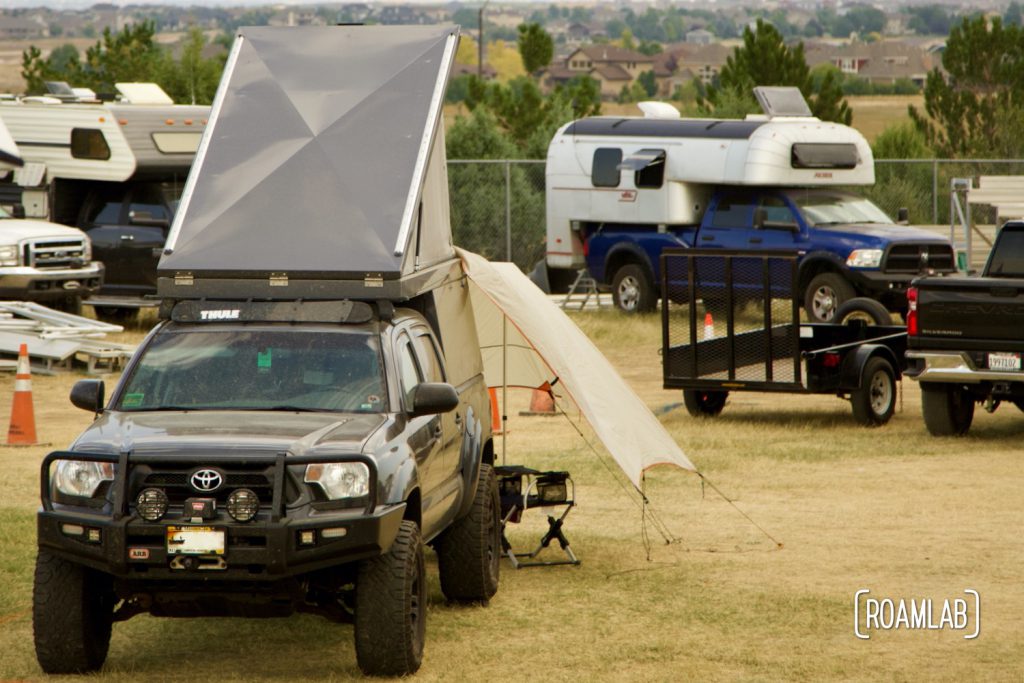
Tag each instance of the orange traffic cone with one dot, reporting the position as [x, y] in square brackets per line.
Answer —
[23, 419]
[495, 412]
[542, 401]
[709, 326]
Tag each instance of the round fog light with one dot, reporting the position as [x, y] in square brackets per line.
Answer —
[152, 504]
[243, 505]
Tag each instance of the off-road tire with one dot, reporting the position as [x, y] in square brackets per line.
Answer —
[632, 289]
[948, 409]
[875, 401]
[469, 552]
[863, 308]
[391, 607]
[825, 293]
[72, 614]
[701, 403]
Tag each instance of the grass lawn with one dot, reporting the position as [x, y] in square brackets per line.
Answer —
[890, 509]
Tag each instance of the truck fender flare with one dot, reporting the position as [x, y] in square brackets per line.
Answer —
[404, 481]
[853, 365]
[470, 456]
[816, 262]
[632, 252]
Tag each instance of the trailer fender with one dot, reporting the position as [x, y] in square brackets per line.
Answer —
[853, 365]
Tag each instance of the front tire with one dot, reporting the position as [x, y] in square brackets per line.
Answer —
[469, 552]
[632, 289]
[948, 409]
[875, 401]
[72, 614]
[825, 293]
[391, 607]
[701, 403]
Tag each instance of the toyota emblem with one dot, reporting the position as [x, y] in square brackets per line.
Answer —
[206, 480]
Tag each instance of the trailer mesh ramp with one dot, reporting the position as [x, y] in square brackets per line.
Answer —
[730, 319]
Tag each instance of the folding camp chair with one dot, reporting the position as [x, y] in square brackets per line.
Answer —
[522, 488]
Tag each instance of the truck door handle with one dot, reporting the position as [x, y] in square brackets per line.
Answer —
[707, 238]
[437, 431]
[458, 422]
[756, 240]
[128, 237]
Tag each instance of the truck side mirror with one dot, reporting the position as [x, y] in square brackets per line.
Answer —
[18, 211]
[88, 394]
[433, 398]
[903, 215]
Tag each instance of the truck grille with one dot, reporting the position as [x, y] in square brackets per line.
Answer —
[174, 482]
[55, 253]
[919, 258]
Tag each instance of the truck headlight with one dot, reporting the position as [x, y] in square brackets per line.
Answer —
[340, 479]
[864, 258]
[9, 255]
[80, 478]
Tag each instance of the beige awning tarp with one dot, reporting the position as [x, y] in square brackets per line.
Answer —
[545, 344]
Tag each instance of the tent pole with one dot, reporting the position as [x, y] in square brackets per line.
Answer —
[504, 384]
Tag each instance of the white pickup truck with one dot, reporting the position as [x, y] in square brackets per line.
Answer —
[39, 260]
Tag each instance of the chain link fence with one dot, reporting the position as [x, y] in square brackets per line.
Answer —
[498, 207]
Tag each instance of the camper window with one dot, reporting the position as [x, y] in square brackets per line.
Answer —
[824, 155]
[648, 166]
[734, 210]
[89, 143]
[605, 171]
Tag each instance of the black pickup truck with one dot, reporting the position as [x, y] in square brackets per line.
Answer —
[964, 338]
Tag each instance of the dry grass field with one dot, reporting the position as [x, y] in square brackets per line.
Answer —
[889, 509]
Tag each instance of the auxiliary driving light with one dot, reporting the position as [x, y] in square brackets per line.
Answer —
[152, 504]
[243, 505]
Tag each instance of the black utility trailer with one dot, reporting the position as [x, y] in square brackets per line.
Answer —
[731, 322]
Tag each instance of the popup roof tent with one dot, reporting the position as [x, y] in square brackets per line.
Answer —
[322, 172]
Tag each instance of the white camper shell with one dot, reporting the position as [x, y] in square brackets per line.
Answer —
[676, 163]
[76, 137]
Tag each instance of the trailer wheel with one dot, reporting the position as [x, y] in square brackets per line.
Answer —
[948, 409]
[875, 401]
[862, 308]
[633, 290]
[825, 293]
[701, 403]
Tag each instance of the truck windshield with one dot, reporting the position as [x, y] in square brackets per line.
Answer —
[259, 369]
[836, 208]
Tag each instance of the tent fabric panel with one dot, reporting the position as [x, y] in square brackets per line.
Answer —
[314, 144]
[627, 428]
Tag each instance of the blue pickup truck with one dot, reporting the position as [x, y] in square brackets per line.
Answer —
[621, 189]
[848, 246]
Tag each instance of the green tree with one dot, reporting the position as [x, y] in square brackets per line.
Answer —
[535, 47]
[976, 111]
[192, 79]
[765, 59]
[901, 184]
[648, 83]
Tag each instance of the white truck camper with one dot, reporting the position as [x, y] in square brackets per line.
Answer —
[677, 163]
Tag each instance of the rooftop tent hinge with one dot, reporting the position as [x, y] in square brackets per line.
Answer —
[279, 279]
[184, 279]
[373, 280]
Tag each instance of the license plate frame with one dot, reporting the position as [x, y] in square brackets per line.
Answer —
[1003, 361]
[196, 540]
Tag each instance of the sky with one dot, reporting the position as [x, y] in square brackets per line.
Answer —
[81, 4]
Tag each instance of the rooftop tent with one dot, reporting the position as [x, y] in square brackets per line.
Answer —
[544, 344]
[322, 170]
